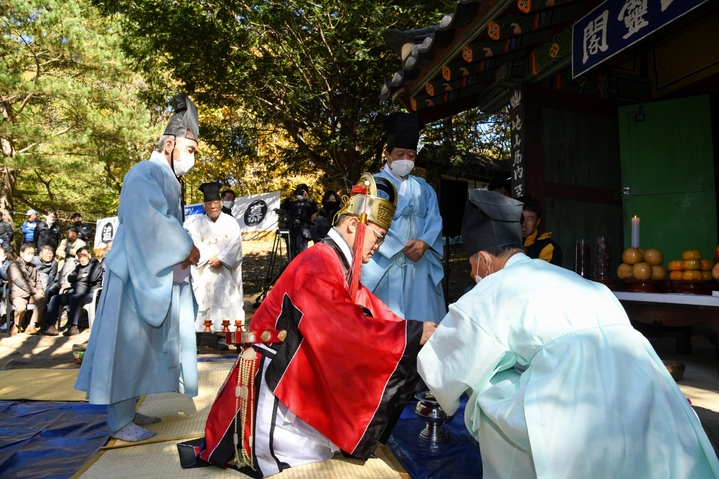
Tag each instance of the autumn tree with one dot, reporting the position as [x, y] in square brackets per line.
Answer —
[306, 72]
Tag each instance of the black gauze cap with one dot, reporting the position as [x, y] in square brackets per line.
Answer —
[211, 191]
[403, 130]
[491, 220]
[184, 116]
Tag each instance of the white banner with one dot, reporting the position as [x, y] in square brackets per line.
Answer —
[105, 231]
[257, 212]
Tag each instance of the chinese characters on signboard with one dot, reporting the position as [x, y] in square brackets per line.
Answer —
[618, 24]
[516, 114]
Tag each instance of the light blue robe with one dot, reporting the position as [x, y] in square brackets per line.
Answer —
[561, 386]
[143, 337]
[412, 290]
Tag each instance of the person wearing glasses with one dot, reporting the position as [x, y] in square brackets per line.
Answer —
[321, 341]
[406, 272]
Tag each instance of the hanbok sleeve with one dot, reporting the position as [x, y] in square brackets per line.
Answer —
[154, 241]
[193, 225]
[460, 356]
[231, 255]
[432, 230]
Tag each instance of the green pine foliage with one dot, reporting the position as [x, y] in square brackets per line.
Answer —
[73, 122]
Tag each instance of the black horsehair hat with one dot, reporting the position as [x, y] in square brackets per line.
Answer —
[491, 220]
[185, 116]
[403, 129]
[211, 191]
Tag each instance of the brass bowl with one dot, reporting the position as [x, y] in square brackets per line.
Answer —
[676, 369]
[429, 410]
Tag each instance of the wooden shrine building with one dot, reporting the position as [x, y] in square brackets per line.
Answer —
[614, 108]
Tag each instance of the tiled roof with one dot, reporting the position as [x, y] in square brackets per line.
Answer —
[479, 53]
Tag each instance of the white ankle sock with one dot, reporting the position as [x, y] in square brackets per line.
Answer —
[142, 419]
[132, 433]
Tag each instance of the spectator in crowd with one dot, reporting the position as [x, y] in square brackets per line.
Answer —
[4, 265]
[407, 271]
[300, 207]
[560, 384]
[66, 252]
[217, 278]
[46, 267]
[84, 232]
[48, 233]
[103, 263]
[537, 246]
[324, 217]
[501, 184]
[85, 279]
[7, 234]
[228, 201]
[143, 336]
[26, 288]
[28, 227]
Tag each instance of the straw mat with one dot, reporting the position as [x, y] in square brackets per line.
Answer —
[162, 461]
[182, 417]
[40, 385]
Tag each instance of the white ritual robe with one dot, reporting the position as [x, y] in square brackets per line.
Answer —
[218, 291]
[560, 384]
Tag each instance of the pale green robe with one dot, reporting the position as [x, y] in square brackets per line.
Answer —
[595, 401]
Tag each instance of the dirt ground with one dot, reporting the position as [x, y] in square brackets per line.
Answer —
[25, 351]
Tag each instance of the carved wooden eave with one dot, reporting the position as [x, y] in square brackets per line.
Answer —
[479, 53]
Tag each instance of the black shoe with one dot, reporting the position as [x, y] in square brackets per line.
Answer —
[222, 344]
[71, 331]
[50, 331]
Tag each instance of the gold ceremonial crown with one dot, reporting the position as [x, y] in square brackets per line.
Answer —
[365, 200]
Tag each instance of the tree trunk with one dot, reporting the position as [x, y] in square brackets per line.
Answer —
[7, 185]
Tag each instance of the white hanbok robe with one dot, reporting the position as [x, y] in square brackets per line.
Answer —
[411, 289]
[560, 384]
[218, 291]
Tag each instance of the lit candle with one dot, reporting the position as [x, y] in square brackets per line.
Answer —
[635, 232]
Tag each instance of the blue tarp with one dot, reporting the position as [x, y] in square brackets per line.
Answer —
[53, 440]
[49, 440]
[456, 459]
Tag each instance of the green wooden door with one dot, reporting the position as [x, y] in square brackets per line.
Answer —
[668, 175]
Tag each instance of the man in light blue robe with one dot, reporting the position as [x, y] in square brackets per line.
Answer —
[143, 337]
[406, 273]
[561, 386]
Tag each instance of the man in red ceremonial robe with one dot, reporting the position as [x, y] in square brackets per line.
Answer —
[332, 367]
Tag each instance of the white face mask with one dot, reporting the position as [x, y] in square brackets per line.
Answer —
[27, 258]
[49, 221]
[401, 168]
[227, 204]
[184, 163]
[477, 277]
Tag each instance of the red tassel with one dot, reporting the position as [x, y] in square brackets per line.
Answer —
[357, 260]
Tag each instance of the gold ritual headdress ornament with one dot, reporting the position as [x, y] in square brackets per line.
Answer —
[372, 199]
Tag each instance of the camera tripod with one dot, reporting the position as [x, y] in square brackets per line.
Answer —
[280, 256]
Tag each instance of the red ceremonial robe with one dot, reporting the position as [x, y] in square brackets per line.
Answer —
[346, 369]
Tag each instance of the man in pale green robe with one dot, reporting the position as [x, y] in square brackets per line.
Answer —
[560, 384]
[143, 337]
